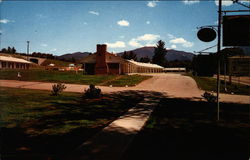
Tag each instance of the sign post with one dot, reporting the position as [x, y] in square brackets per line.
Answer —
[218, 59]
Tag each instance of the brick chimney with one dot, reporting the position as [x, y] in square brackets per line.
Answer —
[101, 66]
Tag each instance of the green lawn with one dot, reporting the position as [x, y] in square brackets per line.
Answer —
[34, 123]
[210, 84]
[130, 80]
[72, 77]
[181, 129]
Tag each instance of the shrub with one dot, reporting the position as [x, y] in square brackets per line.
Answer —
[57, 89]
[209, 97]
[92, 92]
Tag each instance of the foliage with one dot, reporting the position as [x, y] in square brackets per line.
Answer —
[145, 59]
[204, 65]
[129, 55]
[159, 53]
[9, 50]
[210, 97]
[92, 92]
[57, 89]
[43, 55]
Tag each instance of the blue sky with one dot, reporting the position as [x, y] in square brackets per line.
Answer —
[60, 27]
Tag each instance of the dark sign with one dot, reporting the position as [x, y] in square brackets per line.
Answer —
[236, 30]
[206, 34]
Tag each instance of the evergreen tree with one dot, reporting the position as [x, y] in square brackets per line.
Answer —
[129, 55]
[13, 50]
[145, 59]
[159, 53]
[8, 50]
[125, 55]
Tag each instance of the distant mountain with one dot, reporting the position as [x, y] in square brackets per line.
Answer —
[170, 56]
[76, 56]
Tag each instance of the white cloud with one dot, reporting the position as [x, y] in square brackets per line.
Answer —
[53, 50]
[181, 41]
[147, 22]
[4, 21]
[178, 41]
[134, 43]
[121, 37]
[150, 45]
[94, 12]
[117, 44]
[224, 2]
[123, 23]
[170, 36]
[148, 37]
[189, 2]
[173, 46]
[151, 4]
[44, 45]
[1, 31]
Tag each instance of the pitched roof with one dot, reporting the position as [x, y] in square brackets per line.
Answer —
[12, 59]
[145, 64]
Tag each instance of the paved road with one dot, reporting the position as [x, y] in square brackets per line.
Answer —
[171, 84]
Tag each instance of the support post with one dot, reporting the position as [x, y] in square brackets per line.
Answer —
[218, 59]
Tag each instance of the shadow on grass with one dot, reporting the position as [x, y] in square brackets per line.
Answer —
[182, 129]
[49, 135]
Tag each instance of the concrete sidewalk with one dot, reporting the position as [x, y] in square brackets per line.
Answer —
[112, 141]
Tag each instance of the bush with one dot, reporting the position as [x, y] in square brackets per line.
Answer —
[209, 97]
[57, 89]
[92, 92]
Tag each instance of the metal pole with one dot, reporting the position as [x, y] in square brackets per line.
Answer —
[218, 59]
[28, 47]
[225, 71]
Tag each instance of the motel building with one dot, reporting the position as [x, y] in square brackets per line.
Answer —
[13, 63]
[103, 62]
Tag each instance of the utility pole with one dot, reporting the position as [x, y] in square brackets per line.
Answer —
[28, 48]
[218, 59]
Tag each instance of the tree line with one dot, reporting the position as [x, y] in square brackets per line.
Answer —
[12, 50]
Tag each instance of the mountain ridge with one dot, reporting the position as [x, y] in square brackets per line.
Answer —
[171, 54]
[148, 51]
